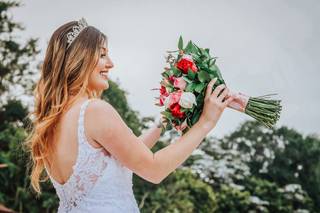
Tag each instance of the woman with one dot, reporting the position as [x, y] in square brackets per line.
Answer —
[81, 142]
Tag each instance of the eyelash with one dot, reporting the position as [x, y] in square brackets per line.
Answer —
[103, 55]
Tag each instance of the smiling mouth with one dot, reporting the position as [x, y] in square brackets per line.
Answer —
[104, 74]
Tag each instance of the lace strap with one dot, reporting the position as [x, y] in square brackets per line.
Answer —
[81, 134]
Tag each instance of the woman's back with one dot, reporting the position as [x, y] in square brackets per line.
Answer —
[97, 182]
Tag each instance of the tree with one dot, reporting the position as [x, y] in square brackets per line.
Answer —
[281, 155]
[264, 163]
[15, 58]
[181, 191]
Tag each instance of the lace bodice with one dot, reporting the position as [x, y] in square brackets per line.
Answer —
[99, 183]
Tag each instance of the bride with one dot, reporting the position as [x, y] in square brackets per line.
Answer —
[80, 141]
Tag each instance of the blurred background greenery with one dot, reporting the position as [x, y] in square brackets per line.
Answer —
[252, 169]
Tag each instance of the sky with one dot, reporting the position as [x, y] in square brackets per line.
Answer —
[262, 47]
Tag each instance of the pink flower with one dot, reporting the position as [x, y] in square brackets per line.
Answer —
[180, 83]
[173, 98]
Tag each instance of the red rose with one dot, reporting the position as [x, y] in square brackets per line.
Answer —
[186, 63]
[171, 78]
[163, 91]
[175, 111]
[161, 100]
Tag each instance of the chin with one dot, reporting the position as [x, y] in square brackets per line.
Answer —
[105, 86]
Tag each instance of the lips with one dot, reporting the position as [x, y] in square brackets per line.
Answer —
[104, 74]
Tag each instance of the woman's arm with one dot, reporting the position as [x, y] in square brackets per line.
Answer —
[107, 127]
[150, 136]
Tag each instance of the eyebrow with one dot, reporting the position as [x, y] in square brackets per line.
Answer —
[103, 48]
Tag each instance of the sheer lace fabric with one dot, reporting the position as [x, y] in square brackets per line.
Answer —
[99, 183]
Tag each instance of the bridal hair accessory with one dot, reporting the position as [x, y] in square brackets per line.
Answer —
[76, 30]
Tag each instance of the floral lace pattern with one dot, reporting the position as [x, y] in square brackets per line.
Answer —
[89, 166]
[99, 183]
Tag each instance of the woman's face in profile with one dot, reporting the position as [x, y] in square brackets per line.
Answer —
[99, 77]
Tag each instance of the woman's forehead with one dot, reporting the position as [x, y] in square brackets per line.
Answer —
[104, 46]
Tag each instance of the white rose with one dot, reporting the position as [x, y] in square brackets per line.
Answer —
[166, 102]
[187, 100]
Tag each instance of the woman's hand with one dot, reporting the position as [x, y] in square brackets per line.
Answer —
[215, 102]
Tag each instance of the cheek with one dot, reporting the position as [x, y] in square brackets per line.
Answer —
[99, 66]
[96, 81]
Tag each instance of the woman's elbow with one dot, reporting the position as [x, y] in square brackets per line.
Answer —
[154, 180]
[153, 174]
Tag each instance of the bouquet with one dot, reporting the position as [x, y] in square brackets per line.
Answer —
[182, 90]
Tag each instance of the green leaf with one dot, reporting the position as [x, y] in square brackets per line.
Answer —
[202, 51]
[217, 70]
[199, 87]
[170, 88]
[191, 74]
[195, 117]
[165, 74]
[190, 87]
[187, 79]
[190, 48]
[184, 109]
[175, 71]
[212, 76]
[212, 61]
[167, 114]
[203, 76]
[180, 43]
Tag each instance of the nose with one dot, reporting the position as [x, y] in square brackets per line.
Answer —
[109, 63]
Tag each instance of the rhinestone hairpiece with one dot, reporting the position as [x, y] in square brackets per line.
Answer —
[76, 30]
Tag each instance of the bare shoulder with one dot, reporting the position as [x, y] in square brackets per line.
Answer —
[100, 105]
[98, 109]
[102, 118]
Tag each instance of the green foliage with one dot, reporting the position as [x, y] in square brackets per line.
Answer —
[277, 199]
[281, 155]
[14, 57]
[181, 191]
[276, 168]
[232, 200]
[15, 189]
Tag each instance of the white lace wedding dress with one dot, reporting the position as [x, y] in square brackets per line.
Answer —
[99, 183]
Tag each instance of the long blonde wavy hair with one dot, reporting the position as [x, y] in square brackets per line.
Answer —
[64, 77]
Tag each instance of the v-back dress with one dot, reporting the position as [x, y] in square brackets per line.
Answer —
[98, 184]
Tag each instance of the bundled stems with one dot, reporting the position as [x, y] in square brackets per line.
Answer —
[264, 110]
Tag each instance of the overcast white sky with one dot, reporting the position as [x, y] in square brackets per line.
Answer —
[263, 46]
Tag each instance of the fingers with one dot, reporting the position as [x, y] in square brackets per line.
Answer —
[218, 89]
[209, 88]
[228, 100]
[224, 94]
